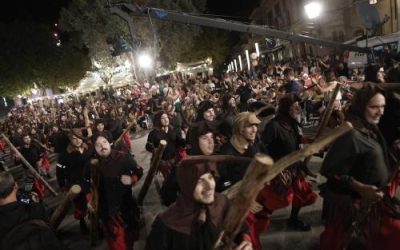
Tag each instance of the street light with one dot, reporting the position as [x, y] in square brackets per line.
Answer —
[247, 59]
[313, 9]
[236, 68]
[257, 49]
[145, 61]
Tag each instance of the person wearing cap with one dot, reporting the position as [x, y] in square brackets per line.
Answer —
[70, 171]
[244, 142]
[195, 220]
[117, 208]
[205, 111]
[292, 85]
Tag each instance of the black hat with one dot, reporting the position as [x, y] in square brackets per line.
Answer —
[286, 102]
[203, 107]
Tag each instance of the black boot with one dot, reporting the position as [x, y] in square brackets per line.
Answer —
[294, 223]
[298, 225]
[83, 226]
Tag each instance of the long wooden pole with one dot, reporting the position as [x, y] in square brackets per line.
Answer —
[325, 119]
[155, 161]
[328, 111]
[124, 132]
[296, 156]
[87, 122]
[43, 146]
[247, 193]
[59, 213]
[28, 165]
[94, 107]
[94, 202]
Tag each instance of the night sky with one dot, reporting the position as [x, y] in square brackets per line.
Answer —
[44, 11]
[234, 9]
[47, 11]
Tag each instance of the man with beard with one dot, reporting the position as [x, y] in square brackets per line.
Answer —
[242, 143]
[32, 154]
[70, 170]
[117, 208]
[194, 221]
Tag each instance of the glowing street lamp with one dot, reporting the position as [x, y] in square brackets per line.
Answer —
[257, 49]
[313, 9]
[240, 62]
[247, 59]
[145, 61]
[236, 68]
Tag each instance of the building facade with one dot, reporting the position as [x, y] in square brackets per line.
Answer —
[338, 21]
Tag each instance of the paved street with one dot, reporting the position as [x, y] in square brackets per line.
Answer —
[278, 237]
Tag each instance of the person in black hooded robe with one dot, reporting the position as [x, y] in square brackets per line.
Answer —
[194, 221]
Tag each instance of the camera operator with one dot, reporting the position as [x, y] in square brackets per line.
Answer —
[23, 225]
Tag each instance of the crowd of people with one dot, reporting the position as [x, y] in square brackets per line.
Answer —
[236, 113]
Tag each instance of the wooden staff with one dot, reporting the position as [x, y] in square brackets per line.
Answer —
[324, 121]
[61, 211]
[94, 107]
[296, 156]
[385, 85]
[94, 202]
[195, 159]
[328, 111]
[247, 192]
[124, 132]
[43, 146]
[155, 161]
[28, 165]
[87, 122]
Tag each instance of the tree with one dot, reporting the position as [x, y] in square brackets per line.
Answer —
[210, 43]
[29, 55]
[90, 24]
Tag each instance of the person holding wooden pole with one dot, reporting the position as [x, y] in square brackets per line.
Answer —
[117, 208]
[194, 221]
[243, 143]
[32, 154]
[359, 196]
[70, 171]
[164, 131]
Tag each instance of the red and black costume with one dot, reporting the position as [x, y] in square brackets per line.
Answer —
[118, 209]
[70, 170]
[361, 155]
[282, 136]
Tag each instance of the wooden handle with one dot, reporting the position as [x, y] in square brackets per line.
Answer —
[28, 165]
[59, 213]
[155, 161]
[296, 156]
[247, 193]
